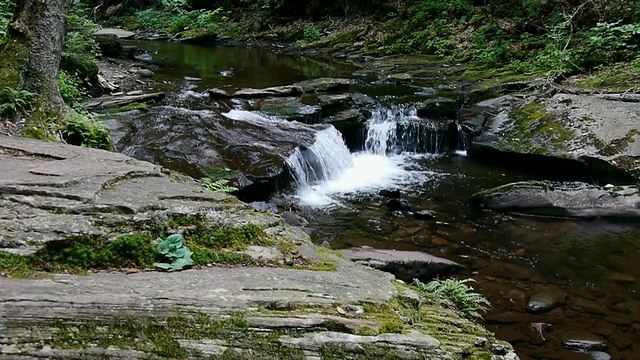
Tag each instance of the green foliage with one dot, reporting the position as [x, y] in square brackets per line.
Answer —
[13, 102]
[311, 33]
[175, 16]
[456, 293]
[81, 254]
[173, 249]
[232, 238]
[219, 186]
[80, 50]
[71, 89]
[83, 130]
[6, 12]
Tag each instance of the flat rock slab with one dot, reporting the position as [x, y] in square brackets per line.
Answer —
[587, 137]
[122, 34]
[566, 200]
[405, 265]
[106, 102]
[51, 192]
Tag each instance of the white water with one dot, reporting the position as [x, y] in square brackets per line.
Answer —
[382, 165]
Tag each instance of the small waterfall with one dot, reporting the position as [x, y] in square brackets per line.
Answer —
[398, 129]
[326, 159]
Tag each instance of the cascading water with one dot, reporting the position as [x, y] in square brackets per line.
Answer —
[398, 129]
[326, 159]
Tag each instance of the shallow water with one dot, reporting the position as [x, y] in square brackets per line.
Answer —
[511, 257]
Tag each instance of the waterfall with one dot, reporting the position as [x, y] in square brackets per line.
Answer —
[398, 129]
[326, 159]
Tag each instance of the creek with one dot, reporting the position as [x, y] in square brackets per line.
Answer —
[585, 271]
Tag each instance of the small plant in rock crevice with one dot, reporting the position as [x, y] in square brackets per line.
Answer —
[173, 249]
[455, 293]
[219, 186]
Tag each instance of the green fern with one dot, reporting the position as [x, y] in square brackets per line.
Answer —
[13, 101]
[456, 293]
[219, 186]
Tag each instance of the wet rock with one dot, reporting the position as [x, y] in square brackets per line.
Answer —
[405, 265]
[254, 148]
[265, 206]
[540, 329]
[290, 108]
[145, 73]
[580, 340]
[390, 193]
[192, 79]
[598, 355]
[106, 102]
[218, 93]
[546, 300]
[620, 340]
[268, 92]
[438, 108]
[201, 39]
[579, 137]
[346, 119]
[332, 104]
[424, 215]
[400, 78]
[399, 204]
[508, 317]
[567, 200]
[323, 84]
[293, 219]
[504, 270]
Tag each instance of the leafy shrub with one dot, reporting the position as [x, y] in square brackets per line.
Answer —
[173, 249]
[70, 89]
[456, 293]
[311, 33]
[175, 16]
[13, 102]
[80, 50]
[83, 130]
[6, 12]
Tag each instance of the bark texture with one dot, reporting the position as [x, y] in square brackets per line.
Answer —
[30, 59]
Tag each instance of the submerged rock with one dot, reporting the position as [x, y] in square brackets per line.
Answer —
[399, 204]
[576, 137]
[405, 265]
[567, 200]
[545, 300]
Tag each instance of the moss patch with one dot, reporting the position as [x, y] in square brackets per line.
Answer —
[619, 145]
[533, 130]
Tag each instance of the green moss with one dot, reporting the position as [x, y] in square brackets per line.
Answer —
[327, 261]
[129, 107]
[619, 78]
[531, 129]
[77, 255]
[282, 109]
[82, 130]
[619, 145]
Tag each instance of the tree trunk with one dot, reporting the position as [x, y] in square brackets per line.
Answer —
[30, 59]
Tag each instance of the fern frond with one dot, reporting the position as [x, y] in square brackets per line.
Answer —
[219, 186]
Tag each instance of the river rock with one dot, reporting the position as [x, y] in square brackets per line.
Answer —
[323, 84]
[567, 200]
[290, 108]
[218, 93]
[390, 193]
[581, 340]
[268, 92]
[438, 108]
[598, 355]
[145, 73]
[424, 215]
[253, 147]
[399, 204]
[405, 265]
[545, 300]
[120, 33]
[108, 102]
[109, 44]
[579, 137]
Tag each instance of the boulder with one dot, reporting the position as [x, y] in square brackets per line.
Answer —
[268, 92]
[572, 137]
[398, 204]
[323, 84]
[199, 142]
[562, 199]
[110, 45]
[405, 265]
[545, 300]
[218, 93]
[290, 108]
[120, 33]
[438, 108]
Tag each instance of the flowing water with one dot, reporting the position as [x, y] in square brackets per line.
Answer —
[592, 265]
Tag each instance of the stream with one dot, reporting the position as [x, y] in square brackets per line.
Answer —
[587, 270]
